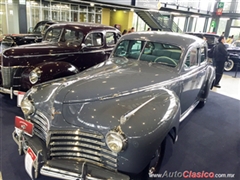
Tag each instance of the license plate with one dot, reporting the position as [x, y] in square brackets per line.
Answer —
[23, 125]
[20, 96]
[30, 157]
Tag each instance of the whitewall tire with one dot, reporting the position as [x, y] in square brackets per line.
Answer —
[229, 65]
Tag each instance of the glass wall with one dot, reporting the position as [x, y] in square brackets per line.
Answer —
[180, 21]
[8, 14]
[200, 24]
[222, 25]
[138, 23]
[58, 11]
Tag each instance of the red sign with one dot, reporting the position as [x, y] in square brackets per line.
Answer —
[219, 12]
[31, 153]
[24, 125]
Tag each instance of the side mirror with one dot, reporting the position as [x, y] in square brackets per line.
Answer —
[83, 46]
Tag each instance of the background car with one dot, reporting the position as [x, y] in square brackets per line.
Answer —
[10, 40]
[66, 49]
[233, 56]
[233, 49]
[211, 38]
[111, 121]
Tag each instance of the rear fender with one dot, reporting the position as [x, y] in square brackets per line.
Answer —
[209, 81]
[48, 71]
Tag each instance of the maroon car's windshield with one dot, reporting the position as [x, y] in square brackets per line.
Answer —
[149, 51]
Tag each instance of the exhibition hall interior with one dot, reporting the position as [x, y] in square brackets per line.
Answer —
[119, 90]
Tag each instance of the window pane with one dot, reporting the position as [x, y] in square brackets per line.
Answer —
[94, 39]
[110, 40]
[191, 59]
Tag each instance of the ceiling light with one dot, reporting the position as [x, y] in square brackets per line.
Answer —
[174, 13]
[91, 4]
[131, 9]
[195, 16]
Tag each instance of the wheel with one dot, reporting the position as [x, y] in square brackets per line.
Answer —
[155, 164]
[228, 66]
[202, 103]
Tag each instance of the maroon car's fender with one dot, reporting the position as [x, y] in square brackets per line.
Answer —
[48, 71]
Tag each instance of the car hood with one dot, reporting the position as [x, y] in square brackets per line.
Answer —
[116, 79]
[35, 49]
[102, 87]
[107, 80]
[33, 36]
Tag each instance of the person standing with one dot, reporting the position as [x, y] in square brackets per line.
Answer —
[220, 56]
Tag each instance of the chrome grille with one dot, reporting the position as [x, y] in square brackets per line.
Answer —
[7, 74]
[78, 145]
[41, 125]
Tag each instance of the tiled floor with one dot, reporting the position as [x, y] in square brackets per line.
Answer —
[230, 86]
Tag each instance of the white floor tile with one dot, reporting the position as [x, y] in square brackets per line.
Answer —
[230, 86]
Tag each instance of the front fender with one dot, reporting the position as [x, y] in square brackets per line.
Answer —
[147, 128]
[48, 71]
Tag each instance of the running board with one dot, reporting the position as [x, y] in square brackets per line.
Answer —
[188, 111]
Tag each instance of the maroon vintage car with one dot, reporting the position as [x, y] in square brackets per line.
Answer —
[66, 49]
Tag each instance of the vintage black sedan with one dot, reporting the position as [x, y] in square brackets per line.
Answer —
[233, 56]
[111, 121]
[36, 35]
[66, 49]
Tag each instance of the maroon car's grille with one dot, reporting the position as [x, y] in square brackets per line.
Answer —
[81, 146]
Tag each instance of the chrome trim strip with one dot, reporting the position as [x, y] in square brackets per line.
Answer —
[77, 132]
[76, 155]
[188, 111]
[76, 138]
[74, 150]
[62, 174]
[73, 143]
[60, 54]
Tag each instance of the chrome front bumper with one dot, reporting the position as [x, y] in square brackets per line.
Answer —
[10, 91]
[62, 168]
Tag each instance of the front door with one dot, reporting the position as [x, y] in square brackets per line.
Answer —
[190, 84]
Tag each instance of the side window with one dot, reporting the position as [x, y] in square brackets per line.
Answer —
[71, 36]
[110, 38]
[94, 40]
[203, 54]
[53, 35]
[191, 59]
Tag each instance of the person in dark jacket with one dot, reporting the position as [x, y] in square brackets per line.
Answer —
[220, 56]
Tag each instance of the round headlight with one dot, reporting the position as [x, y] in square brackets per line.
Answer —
[115, 141]
[34, 75]
[27, 107]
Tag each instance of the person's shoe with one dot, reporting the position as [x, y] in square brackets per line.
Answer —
[217, 86]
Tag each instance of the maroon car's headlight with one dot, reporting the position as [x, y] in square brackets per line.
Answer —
[34, 75]
[115, 141]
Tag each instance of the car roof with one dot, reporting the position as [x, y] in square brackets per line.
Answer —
[203, 34]
[83, 26]
[178, 39]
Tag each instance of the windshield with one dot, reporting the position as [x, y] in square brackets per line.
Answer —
[154, 52]
[236, 44]
[64, 35]
[39, 28]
